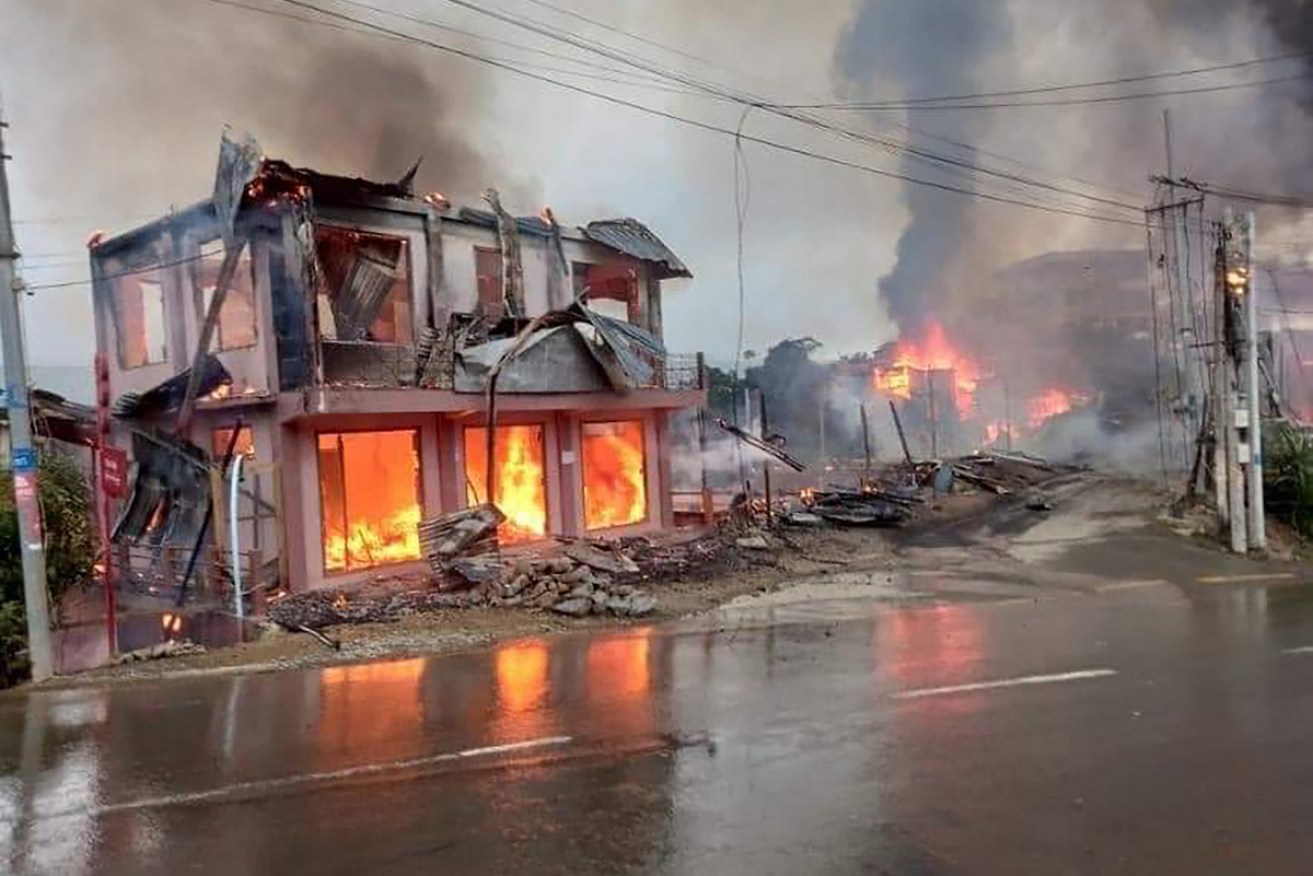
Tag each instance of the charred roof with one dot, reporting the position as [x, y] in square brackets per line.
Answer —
[275, 180]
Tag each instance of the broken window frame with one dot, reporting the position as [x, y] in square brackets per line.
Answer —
[404, 330]
[203, 295]
[135, 281]
[348, 569]
[221, 437]
[475, 434]
[630, 296]
[641, 423]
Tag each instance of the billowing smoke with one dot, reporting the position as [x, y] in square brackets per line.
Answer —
[315, 95]
[931, 47]
[116, 110]
[952, 246]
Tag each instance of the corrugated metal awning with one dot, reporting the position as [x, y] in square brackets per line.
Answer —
[635, 239]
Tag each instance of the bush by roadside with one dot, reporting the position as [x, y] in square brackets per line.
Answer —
[70, 540]
[1288, 477]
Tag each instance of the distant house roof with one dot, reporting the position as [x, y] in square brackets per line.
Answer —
[633, 238]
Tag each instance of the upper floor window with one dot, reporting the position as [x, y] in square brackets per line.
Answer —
[367, 281]
[236, 328]
[140, 320]
[488, 276]
[609, 289]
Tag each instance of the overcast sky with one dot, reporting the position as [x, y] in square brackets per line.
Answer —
[116, 107]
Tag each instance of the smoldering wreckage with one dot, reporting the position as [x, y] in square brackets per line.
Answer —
[467, 407]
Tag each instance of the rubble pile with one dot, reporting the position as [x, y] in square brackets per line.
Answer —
[899, 493]
[580, 578]
[868, 506]
[1005, 473]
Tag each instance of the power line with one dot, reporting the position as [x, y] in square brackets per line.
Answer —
[974, 149]
[707, 126]
[1240, 195]
[68, 220]
[143, 270]
[1075, 101]
[437, 25]
[745, 98]
[1072, 86]
[742, 197]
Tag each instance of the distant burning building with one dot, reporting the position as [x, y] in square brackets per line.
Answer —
[351, 358]
[949, 403]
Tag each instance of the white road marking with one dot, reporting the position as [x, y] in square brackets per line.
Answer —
[1079, 675]
[1303, 649]
[1245, 579]
[1130, 585]
[369, 769]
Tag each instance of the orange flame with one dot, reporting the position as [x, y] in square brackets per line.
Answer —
[521, 478]
[369, 484]
[615, 489]
[933, 353]
[1047, 405]
[393, 540]
[996, 432]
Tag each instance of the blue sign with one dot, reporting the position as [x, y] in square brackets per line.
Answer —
[23, 459]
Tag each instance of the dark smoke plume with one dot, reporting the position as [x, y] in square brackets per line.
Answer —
[952, 246]
[928, 47]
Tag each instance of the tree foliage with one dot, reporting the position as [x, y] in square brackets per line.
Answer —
[793, 385]
[70, 542]
[1288, 477]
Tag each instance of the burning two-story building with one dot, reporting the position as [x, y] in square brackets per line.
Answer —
[354, 328]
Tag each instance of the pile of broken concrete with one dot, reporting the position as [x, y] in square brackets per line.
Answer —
[573, 588]
[583, 579]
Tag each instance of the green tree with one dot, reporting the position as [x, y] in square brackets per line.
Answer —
[792, 384]
[70, 541]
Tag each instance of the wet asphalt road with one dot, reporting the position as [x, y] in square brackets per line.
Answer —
[1137, 727]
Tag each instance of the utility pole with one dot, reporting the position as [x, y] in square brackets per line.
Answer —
[820, 421]
[1230, 473]
[22, 455]
[764, 434]
[1183, 310]
[1257, 530]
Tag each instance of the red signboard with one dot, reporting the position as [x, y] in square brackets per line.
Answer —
[114, 472]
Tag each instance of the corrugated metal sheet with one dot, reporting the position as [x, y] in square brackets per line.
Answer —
[530, 225]
[633, 238]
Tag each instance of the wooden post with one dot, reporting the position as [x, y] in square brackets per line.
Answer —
[283, 559]
[219, 519]
[902, 438]
[820, 420]
[866, 446]
[934, 415]
[765, 465]
[708, 504]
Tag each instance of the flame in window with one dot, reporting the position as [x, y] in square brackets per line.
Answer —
[369, 492]
[615, 487]
[521, 482]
